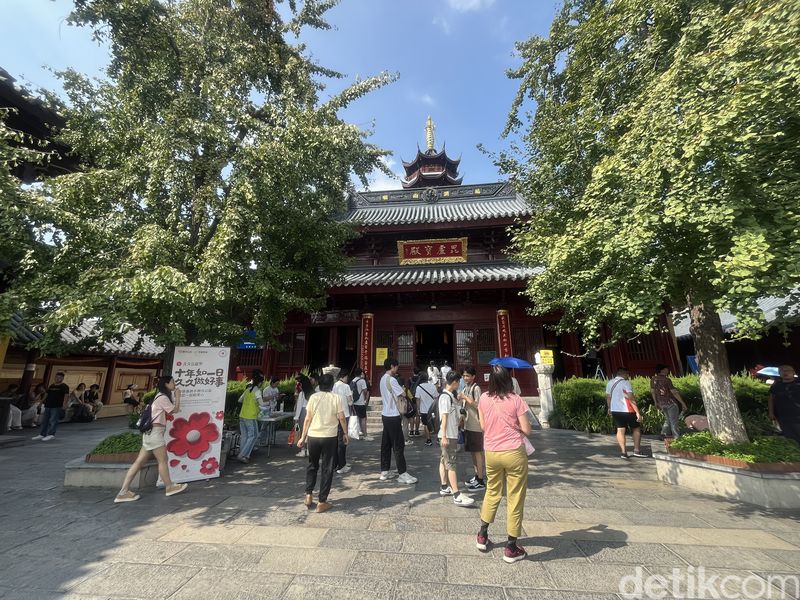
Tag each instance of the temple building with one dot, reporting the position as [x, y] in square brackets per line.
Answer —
[430, 280]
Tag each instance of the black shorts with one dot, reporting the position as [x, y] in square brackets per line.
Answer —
[361, 410]
[426, 421]
[473, 441]
[623, 420]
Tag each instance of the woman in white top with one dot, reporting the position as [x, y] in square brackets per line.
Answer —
[434, 375]
[307, 385]
[426, 395]
[154, 441]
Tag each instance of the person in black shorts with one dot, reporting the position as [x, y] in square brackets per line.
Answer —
[473, 434]
[624, 411]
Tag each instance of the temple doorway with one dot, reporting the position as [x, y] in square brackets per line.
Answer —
[318, 346]
[434, 343]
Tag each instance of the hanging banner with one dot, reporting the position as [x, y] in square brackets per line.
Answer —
[194, 435]
[503, 334]
[365, 346]
[381, 354]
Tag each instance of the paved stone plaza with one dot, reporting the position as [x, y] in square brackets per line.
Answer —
[590, 520]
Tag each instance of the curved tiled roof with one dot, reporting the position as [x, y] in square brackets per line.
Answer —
[424, 275]
[440, 204]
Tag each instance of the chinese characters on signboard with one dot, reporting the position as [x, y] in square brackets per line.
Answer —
[426, 252]
[503, 333]
[194, 435]
[366, 344]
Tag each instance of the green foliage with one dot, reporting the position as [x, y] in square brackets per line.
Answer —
[212, 172]
[662, 167]
[774, 449]
[581, 405]
[119, 443]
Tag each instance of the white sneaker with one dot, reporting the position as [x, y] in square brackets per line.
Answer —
[409, 443]
[445, 491]
[38, 437]
[47, 438]
[406, 478]
[344, 469]
[160, 485]
[463, 500]
[301, 454]
[367, 438]
[386, 475]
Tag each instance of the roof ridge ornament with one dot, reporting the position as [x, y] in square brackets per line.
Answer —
[430, 195]
[429, 134]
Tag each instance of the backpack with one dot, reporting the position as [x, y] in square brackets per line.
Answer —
[433, 413]
[145, 422]
[354, 389]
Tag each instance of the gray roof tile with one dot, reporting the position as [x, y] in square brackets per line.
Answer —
[437, 274]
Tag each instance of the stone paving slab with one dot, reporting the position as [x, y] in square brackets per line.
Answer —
[590, 520]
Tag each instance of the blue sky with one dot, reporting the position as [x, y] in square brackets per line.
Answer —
[451, 56]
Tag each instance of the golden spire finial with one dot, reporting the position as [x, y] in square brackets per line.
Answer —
[429, 127]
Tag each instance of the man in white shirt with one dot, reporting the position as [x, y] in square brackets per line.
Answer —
[449, 413]
[426, 397]
[392, 439]
[341, 389]
[360, 400]
[623, 409]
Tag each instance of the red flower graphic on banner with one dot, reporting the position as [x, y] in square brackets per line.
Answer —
[220, 415]
[209, 466]
[193, 437]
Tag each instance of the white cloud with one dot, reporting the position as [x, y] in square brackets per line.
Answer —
[443, 24]
[379, 181]
[469, 5]
[421, 98]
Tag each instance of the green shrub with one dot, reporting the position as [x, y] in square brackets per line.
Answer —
[581, 405]
[769, 449]
[119, 443]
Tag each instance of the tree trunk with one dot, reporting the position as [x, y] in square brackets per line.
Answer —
[724, 418]
[168, 356]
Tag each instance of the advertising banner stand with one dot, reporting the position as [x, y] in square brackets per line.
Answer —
[194, 435]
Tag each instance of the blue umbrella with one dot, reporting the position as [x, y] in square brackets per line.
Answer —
[769, 372]
[509, 362]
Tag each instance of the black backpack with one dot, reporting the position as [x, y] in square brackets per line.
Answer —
[354, 389]
[145, 422]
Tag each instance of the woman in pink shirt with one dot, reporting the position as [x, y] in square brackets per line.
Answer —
[154, 441]
[504, 420]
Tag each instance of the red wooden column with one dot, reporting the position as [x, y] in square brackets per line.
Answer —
[268, 361]
[504, 347]
[366, 349]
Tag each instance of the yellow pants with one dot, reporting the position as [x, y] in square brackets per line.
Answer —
[509, 467]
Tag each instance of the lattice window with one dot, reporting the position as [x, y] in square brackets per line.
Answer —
[250, 357]
[299, 348]
[405, 348]
[475, 347]
[644, 348]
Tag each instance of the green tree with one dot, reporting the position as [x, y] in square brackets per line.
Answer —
[211, 174]
[663, 164]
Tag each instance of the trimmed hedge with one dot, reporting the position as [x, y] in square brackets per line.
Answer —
[774, 449]
[581, 404]
[119, 444]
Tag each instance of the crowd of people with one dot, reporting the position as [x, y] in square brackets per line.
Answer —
[492, 427]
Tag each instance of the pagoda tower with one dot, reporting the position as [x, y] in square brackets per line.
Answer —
[431, 168]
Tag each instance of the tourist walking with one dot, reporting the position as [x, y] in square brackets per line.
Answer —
[449, 412]
[784, 403]
[323, 418]
[413, 383]
[166, 402]
[504, 420]
[342, 389]
[446, 368]
[251, 400]
[391, 415]
[434, 376]
[473, 434]
[54, 404]
[623, 409]
[307, 385]
[360, 391]
[426, 395]
[665, 396]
